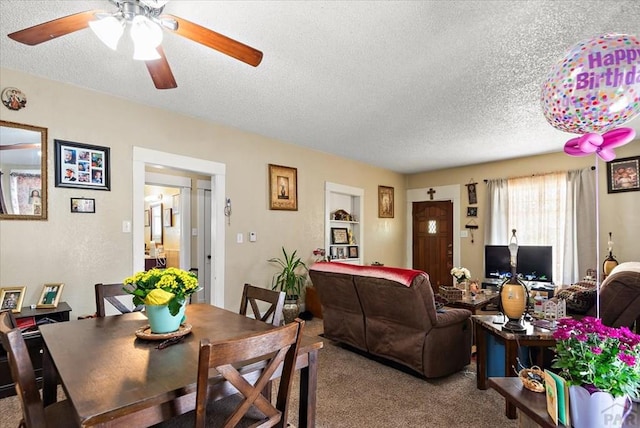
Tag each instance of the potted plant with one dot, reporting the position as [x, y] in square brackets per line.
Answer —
[164, 293]
[602, 366]
[290, 279]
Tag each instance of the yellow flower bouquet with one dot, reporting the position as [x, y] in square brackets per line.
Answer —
[171, 286]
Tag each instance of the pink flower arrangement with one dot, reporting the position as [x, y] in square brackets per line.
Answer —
[598, 357]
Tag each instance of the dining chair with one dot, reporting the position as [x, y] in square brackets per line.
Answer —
[110, 293]
[252, 295]
[249, 407]
[60, 414]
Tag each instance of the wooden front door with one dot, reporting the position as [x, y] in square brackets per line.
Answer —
[433, 240]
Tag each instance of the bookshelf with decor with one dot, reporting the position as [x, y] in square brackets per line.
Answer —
[344, 208]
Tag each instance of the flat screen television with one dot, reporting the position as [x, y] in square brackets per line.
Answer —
[535, 262]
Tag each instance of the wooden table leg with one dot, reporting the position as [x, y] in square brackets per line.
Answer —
[510, 361]
[308, 392]
[481, 356]
[49, 379]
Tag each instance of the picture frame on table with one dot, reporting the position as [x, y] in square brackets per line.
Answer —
[83, 166]
[339, 235]
[83, 205]
[352, 252]
[623, 175]
[12, 298]
[283, 188]
[385, 201]
[50, 295]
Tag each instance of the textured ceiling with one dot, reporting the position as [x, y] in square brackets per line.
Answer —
[409, 86]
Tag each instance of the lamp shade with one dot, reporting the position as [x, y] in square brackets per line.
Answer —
[146, 36]
[109, 30]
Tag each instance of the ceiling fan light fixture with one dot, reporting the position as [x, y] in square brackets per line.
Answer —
[109, 30]
[146, 36]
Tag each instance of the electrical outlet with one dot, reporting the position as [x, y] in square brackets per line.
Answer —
[252, 237]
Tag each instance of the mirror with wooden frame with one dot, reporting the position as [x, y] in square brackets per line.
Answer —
[23, 172]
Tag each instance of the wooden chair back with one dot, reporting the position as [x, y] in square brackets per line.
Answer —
[277, 347]
[110, 293]
[22, 371]
[252, 295]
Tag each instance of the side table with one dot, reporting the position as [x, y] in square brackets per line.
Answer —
[34, 344]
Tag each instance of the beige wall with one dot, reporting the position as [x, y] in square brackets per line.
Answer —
[618, 211]
[80, 250]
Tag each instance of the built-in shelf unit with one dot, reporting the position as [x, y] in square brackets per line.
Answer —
[343, 235]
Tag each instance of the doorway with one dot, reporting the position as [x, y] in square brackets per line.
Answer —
[449, 194]
[143, 157]
[433, 240]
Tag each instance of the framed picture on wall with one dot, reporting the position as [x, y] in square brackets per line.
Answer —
[50, 296]
[12, 297]
[283, 188]
[81, 165]
[385, 202]
[472, 211]
[622, 175]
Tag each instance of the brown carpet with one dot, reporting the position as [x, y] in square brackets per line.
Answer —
[355, 391]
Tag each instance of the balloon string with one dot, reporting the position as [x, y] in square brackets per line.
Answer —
[598, 270]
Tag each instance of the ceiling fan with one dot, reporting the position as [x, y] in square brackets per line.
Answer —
[147, 23]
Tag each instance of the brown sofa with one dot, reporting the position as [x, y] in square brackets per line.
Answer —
[620, 297]
[391, 313]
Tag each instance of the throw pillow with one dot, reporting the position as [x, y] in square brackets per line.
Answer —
[580, 297]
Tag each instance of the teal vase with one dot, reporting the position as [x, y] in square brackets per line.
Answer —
[160, 319]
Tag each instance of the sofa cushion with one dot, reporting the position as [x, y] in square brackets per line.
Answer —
[580, 297]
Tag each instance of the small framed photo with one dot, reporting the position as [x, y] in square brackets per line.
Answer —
[353, 252]
[176, 203]
[283, 188]
[622, 175]
[339, 235]
[83, 205]
[50, 296]
[12, 297]
[341, 253]
[385, 202]
[167, 218]
[471, 192]
[81, 165]
[472, 211]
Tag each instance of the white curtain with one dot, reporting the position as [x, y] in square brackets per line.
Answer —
[496, 230]
[580, 231]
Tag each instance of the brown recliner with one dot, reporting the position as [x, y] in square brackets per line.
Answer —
[620, 299]
[391, 313]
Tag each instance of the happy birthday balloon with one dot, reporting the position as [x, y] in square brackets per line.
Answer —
[595, 87]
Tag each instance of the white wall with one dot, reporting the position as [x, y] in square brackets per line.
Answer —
[80, 250]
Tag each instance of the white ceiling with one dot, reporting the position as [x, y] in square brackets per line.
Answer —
[405, 85]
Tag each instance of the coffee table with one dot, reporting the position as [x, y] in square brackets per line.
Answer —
[480, 302]
[484, 326]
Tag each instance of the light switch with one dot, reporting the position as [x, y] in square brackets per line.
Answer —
[126, 226]
[464, 234]
[239, 238]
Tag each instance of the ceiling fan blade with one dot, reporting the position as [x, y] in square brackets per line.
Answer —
[161, 72]
[216, 41]
[56, 28]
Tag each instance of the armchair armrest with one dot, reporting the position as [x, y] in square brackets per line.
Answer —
[451, 317]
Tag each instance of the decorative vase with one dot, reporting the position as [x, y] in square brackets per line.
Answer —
[291, 309]
[597, 410]
[161, 320]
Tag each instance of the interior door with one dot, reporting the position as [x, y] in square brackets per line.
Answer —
[433, 240]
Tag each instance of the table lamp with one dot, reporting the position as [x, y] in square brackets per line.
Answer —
[513, 293]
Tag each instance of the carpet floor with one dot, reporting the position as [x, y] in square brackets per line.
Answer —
[356, 391]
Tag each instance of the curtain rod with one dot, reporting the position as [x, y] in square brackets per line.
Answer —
[535, 175]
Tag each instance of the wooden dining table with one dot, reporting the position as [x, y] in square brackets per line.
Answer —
[116, 379]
